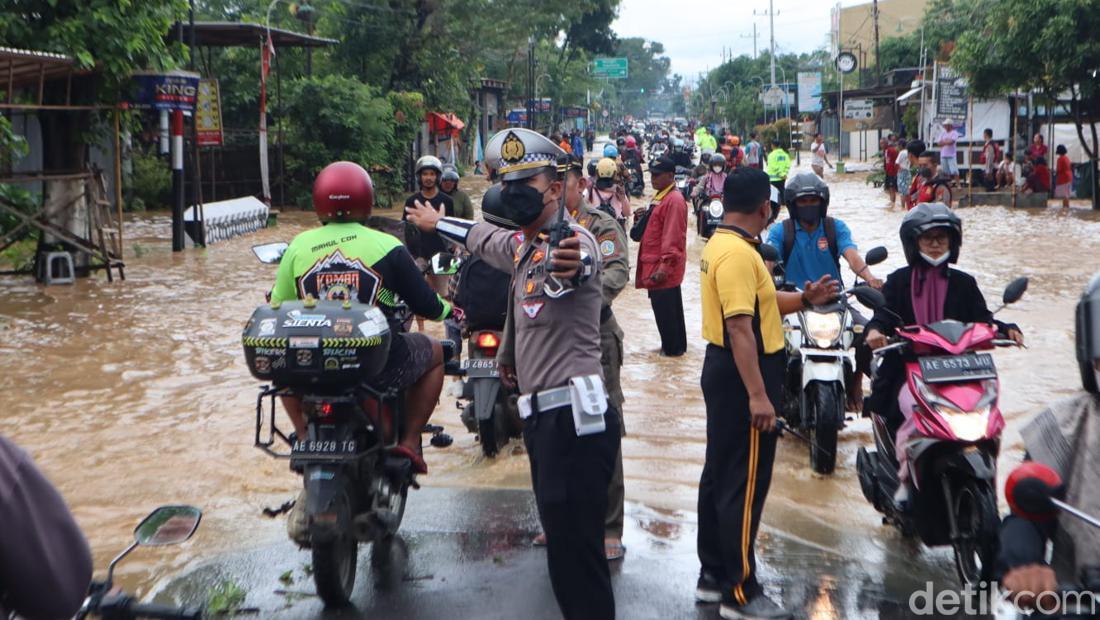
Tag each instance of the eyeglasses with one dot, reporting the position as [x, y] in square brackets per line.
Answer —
[935, 238]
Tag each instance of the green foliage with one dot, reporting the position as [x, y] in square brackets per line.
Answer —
[151, 182]
[778, 132]
[225, 599]
[339, 118]
[117, 36]
[12, 147]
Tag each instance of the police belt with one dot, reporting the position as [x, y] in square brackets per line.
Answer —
[547, 400]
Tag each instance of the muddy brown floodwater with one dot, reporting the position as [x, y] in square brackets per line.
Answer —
[135, 394]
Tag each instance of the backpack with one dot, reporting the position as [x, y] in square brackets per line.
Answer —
[830, 236]
[605, 203]
[482, 293]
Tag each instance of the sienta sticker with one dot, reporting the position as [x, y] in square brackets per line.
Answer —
[267, 327]
[332, 364]
[296, 319]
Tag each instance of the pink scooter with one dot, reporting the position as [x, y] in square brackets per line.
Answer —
[953, 453]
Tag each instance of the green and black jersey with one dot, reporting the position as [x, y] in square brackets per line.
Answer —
[346, 260]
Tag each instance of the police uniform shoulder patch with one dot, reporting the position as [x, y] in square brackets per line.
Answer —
[512, 150]
[607, 246]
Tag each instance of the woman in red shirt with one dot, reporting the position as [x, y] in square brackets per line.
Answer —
[1038, 182]
[1063, 177]
[1037, 149]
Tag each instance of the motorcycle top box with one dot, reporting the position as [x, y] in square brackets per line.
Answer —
[316, 345]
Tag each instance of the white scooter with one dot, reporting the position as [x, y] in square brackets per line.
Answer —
[820, 365]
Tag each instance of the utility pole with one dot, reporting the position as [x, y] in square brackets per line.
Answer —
[771, 20]
[753, 37]
[874, 16]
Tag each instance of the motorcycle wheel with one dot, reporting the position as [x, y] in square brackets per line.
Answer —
[334, 567]
[398, 507]
[975, 509]
[828, 407]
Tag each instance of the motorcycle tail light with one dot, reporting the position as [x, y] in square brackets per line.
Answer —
[325, 409]
[487, 341]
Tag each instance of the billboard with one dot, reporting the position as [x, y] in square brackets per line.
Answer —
[809, 91]
[208, 115]
[174, 90]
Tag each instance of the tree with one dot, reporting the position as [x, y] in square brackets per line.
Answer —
[1045, 45]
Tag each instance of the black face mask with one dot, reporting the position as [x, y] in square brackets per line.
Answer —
[926, 172]
[811, 214]
[523, 202]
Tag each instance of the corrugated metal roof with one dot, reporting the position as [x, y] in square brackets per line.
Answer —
[20, 67]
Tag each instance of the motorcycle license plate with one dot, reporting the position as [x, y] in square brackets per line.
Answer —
[956, 368]
[323, 447]
[484, 367]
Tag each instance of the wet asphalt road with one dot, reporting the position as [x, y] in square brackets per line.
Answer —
[466, 553]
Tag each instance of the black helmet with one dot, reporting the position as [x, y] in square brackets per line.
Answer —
[1088, 335]
[925, 217]
[705, 157]
[805, 184]
[493, 209]
[620, 142]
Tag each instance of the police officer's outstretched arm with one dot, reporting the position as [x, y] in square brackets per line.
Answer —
[492, 244]
[45, 562]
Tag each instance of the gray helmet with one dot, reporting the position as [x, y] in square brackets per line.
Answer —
[924, 217]
[1088, 335]
[450, 173]
[717, 158]
[429, 162]
[806, 184]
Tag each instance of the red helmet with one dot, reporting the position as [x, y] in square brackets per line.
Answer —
[343, 192]
[631, 142]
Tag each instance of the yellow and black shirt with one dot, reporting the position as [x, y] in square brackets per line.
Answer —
[736, 282]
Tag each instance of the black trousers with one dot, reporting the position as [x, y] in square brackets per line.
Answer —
[668, 309]
[737, 471]
[779, 185]
[570, 475]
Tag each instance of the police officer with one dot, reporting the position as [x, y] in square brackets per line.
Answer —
[614, 274]
[742, 383]
[1066, 438]
[557, 294]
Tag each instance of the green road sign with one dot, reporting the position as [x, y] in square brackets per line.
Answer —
[615, 68]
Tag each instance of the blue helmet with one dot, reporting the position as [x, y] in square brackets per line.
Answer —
[610, 150]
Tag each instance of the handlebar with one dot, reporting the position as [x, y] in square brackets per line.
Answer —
[126, 607]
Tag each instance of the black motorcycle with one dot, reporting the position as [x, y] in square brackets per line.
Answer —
[167, 525]
[321, 352]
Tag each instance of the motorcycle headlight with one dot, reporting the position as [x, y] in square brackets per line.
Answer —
[966, 425]
[715, 208]
[822, 327]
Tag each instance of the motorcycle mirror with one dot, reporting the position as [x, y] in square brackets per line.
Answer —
[168, 525]
[768, 252]
[876, 255]
[270, 253]
[1014, 291]
[869, 297]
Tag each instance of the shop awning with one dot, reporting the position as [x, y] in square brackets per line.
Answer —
[910, 93]
[444, 122]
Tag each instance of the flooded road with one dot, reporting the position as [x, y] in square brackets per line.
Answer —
[135, 394]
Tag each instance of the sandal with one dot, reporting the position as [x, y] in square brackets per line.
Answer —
[614, 550]
[419, 466]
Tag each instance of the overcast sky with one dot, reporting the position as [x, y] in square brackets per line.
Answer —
[694, 31]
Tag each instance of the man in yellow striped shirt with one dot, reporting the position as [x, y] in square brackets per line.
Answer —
[742, 384]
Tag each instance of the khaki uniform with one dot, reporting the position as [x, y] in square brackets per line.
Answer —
[614, 275]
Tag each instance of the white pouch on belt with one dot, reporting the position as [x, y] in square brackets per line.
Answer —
[589, 404]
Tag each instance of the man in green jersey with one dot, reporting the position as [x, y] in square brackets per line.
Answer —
[345, 260]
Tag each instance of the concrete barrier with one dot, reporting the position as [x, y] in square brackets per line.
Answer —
[983, 198]
[226, 219]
